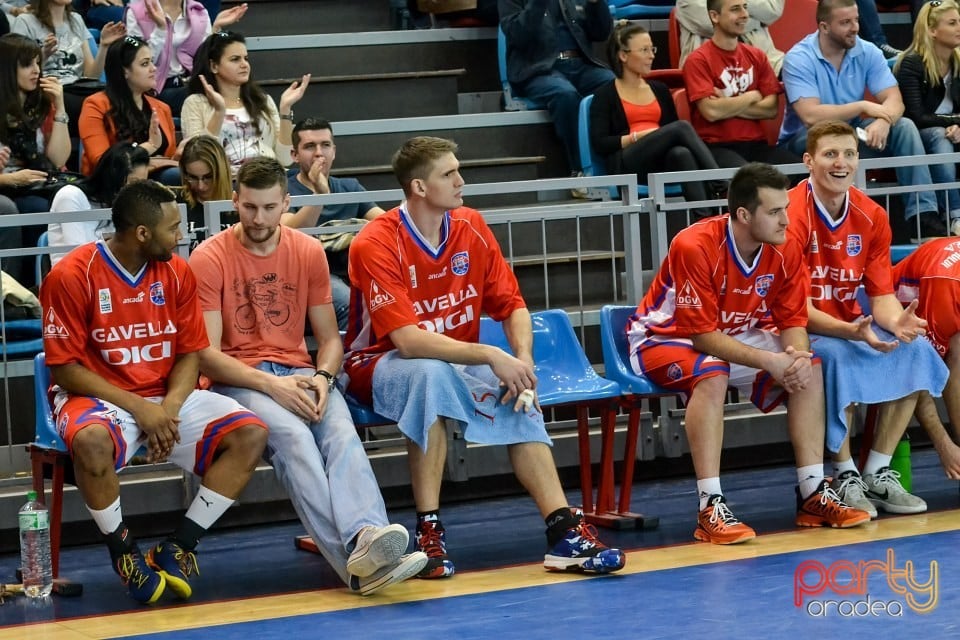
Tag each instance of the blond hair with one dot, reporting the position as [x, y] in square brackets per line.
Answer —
[928, 18]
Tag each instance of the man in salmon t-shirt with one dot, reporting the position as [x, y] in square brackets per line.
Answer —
[259, 282]
[844, 237]
[122, 328]
[422, 274]
[728, 309]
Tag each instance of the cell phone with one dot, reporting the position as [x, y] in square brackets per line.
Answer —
[862, 134]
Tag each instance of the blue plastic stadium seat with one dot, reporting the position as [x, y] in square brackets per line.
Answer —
[630, 10]
[616, 353]
[511, 102]
[48, 456]
[566, 377]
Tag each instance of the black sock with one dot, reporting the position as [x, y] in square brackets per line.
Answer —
[429, 516]
[120, 542]
[187, 534]
[558, 523]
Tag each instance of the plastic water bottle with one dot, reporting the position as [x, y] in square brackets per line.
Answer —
[901, 463]
[35, 548]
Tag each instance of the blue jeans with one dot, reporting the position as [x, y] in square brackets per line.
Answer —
[561, 91]
[904, 140]
[341, 300]
[322, 466]
[870, 28]
[935, 141]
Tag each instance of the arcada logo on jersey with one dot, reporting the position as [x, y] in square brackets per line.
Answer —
[866, 588]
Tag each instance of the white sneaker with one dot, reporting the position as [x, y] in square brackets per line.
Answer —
[377, 548]
[955, 227]
[580, 193]
[885, 491]
[405, 568]
[852, 491]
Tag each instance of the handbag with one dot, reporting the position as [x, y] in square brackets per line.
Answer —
[48, 188]
[335, 241]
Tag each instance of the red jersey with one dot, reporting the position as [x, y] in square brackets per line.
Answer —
[705, 285]
[127, 328]
[932, 275]
[399, 280]
[841, 254]
[733, 72]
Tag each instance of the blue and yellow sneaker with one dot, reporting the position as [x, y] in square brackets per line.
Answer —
[431, 540]
[176, 565]
[580, 550]
[143, 583]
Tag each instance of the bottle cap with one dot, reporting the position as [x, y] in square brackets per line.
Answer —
[31, 496]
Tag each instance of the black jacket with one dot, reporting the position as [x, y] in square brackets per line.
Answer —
[608, 121]
[531, 33]
[921, 99]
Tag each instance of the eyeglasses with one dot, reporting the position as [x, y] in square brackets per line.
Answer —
[192, 179]
[643, 50]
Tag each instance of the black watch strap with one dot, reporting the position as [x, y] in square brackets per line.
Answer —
[331, 379]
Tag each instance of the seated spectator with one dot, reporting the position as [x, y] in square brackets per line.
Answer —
[226, 103]
[827, 76]
[550, 58]
[34, 141]
[66, 52]
[314, 152]
[109, 404]
[844, 238]
[926, 70]
[259, 358]
[691, 335]
[126, 111]
[696, 27]
[175, 29]
[870, 25]
[633, 121]
[733, 88]
[122, 164]
[420, 362]
[931, 276]
[206, 177]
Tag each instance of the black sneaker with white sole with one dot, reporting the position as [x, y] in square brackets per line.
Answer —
[927, 226]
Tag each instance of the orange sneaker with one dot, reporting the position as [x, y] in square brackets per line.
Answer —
[824, 508]
[717, 524]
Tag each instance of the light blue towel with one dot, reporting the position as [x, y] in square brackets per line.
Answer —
[415, 391]
[855, 372]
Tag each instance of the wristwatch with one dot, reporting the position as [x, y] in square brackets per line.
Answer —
[62, 119]
[331, 379]
[289, 116]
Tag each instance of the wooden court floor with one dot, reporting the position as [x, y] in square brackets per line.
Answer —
[895, 576]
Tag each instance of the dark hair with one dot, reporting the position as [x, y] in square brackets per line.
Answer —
[308, 124]
[139, 203]
[262, 173]
[253, 98]
[41, 9]
[129, 122]
[828, 128]
[16, 52]
[112, 170]
[825, 8]
[714, 5]
[744, 189]
[415, 158]
[618, 41]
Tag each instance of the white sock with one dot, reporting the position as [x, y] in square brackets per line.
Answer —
[107, 519]
[840, 466]
[875, 462]
[809, 478]
[207, 506]
[706, 488]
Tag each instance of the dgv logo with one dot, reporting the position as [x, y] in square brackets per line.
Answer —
[378, 298]
[687, 297]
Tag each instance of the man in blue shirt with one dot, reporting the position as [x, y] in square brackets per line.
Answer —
[827, 75]
[314, 152]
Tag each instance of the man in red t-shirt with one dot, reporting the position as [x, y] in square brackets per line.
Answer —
[122, 329]
[422, 274]
[258, 282]
[931, 276]
[845, 240]
[734, 89]
[727, 309]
